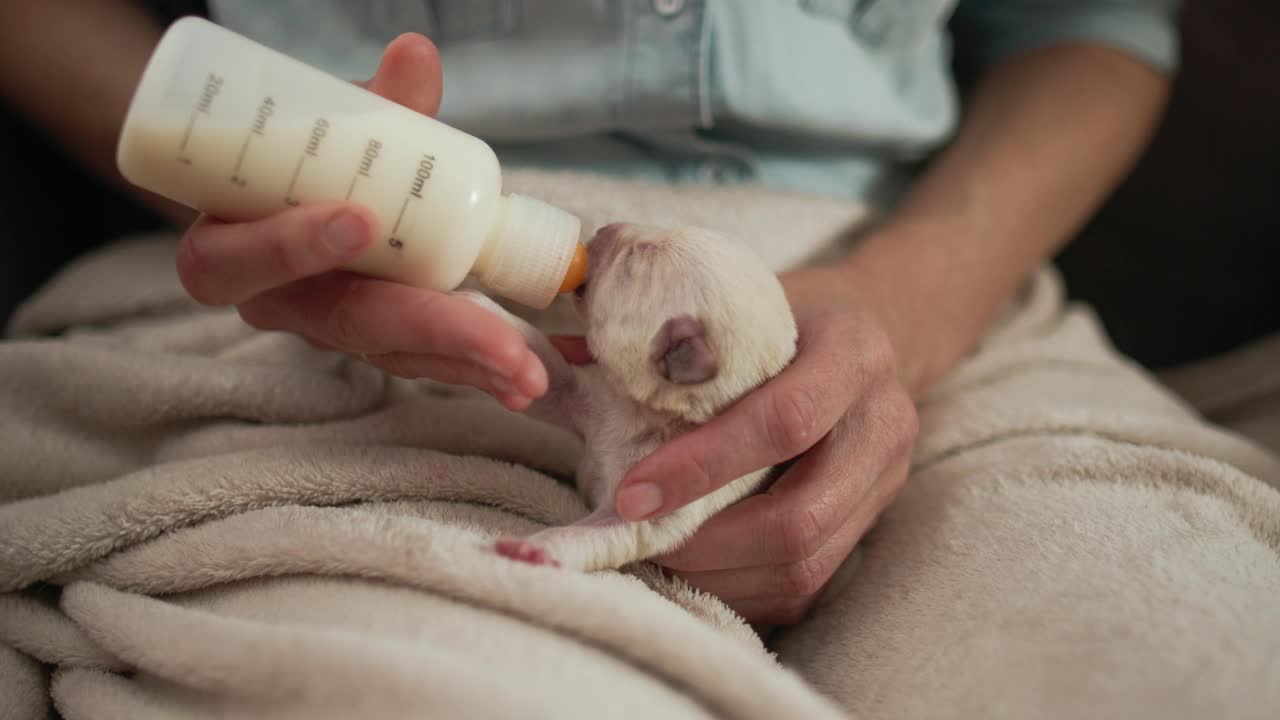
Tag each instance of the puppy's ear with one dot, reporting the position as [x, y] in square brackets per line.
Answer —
[681, 353]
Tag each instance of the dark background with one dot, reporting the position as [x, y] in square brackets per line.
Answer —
[1182, 261]
[1180, 264]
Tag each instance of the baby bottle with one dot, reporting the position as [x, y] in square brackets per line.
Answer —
[234, 129]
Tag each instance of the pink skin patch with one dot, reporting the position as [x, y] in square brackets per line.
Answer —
[525, 551]
[573, 348]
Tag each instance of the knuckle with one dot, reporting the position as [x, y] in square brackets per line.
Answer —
[801, 534]
[344, 321]
[422, 313]
[792, 425]
[804, 577]
[691, 477]
[698, 479]
[863, 357]
[283, 259]
[879, 361]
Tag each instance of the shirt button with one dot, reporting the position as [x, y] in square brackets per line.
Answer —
[667, 8]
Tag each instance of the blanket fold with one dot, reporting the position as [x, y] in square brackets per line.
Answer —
[201, 520]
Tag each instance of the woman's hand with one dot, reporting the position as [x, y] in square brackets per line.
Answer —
[840, 408]
[1028, 166]
[282, 273]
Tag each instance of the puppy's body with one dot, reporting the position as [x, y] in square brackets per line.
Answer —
[681, 324]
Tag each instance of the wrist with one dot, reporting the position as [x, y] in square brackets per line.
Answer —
[916, 291]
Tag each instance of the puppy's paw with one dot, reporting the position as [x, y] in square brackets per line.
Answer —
[525, 551]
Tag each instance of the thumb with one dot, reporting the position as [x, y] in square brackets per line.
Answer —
[409, 74]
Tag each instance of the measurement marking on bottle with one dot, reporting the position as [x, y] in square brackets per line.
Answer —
[212, 86]
[318, 131]
[371, 151]
[259, 127]
[394, 241]
[186, 138]
[235, 172]
[422, 175]
[289, 199]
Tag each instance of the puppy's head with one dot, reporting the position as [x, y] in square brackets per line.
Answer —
[684, 320]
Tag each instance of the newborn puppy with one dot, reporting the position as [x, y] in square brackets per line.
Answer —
[681, 323]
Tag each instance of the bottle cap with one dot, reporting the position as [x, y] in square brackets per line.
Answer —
[533, 250]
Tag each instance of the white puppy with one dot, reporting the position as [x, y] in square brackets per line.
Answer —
[681, 323]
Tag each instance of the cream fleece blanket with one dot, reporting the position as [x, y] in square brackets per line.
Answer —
[203, 520]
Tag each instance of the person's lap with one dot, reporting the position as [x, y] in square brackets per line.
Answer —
[1073, 538]
[1073, 535]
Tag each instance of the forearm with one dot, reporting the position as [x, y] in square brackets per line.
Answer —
[71, 66]
[1046, 137]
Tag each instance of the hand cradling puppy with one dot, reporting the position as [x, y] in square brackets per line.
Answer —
[681, 323]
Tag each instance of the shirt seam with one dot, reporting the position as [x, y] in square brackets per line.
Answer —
[704, 68]
[627, 91]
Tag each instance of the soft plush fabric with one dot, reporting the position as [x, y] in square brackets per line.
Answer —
[203, 520]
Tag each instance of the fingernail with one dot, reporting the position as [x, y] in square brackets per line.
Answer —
[345, 233]
[639, 501]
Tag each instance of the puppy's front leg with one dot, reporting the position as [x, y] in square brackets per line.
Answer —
[561, 404]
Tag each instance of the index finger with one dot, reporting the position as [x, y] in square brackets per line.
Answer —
[775, 423]
[372, 316]
[409, 74]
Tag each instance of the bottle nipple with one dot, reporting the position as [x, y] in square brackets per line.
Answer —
[534, 252]
[577, 271]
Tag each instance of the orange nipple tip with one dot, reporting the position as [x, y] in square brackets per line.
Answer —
[577, 271]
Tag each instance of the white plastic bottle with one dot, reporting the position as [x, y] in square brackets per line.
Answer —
[226, 126]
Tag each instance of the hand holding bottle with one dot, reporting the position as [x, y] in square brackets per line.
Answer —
[282, 273]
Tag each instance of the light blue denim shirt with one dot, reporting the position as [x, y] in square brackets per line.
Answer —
[837, 97]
